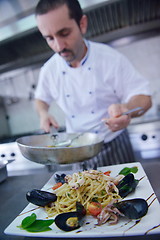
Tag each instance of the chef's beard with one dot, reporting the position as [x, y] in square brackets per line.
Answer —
[70, 58]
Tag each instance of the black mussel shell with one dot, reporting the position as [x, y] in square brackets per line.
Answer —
[71, 220]
[60, 178]
[133, 208]
[127, 185]
[40, 198]
[80, 210]
[61, 221]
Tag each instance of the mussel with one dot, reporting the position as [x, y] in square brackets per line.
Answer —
[60, 177]
[71, 220]
[127, 185]
[40, 198]
[133, 208]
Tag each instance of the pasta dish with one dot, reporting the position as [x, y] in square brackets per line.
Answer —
[84, 187]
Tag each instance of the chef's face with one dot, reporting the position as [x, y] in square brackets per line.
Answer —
[63, 34]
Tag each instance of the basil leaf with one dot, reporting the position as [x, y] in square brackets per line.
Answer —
[26, 222]
[31, 224]
[40, 226]
[125, 171]
[134, 169]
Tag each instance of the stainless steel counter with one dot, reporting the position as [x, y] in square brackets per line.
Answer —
[13, 201]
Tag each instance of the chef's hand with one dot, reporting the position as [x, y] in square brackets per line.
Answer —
[47, 121]
[115, 121]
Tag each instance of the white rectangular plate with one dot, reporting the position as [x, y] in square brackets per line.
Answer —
[149, 224]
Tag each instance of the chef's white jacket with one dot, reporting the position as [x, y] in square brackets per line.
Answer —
[85, 93]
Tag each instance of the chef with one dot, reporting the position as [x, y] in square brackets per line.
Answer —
[89, 81]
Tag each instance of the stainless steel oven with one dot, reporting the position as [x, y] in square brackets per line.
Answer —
[145, 139]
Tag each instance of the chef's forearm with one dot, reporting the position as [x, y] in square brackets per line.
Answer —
[143, 101]
[41, 107]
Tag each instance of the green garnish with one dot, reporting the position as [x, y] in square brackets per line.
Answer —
[40, 226]
[95, 199]
[103, 192]
[26, 222]
[125, 171]
[32, 224]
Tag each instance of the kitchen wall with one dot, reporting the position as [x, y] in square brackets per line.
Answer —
[4, 127]
[145, 56]
[18, 90]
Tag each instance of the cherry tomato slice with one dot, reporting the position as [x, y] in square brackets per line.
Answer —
[94, 208]
[57, 185]
[107, 173]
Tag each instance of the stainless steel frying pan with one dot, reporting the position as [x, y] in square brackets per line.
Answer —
[38, 148]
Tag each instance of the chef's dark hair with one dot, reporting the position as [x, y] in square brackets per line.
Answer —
[75, 10]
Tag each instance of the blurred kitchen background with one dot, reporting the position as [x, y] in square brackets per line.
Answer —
[130, 26]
